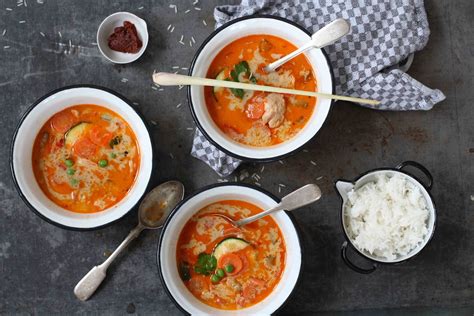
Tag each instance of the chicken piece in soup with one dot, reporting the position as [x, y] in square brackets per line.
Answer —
[226, 267]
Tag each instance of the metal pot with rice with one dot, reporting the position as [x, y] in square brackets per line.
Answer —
[388, 215]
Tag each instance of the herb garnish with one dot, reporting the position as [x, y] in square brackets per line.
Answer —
[206, 264]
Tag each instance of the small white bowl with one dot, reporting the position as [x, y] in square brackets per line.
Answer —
[168, 269]
[107, 27]
[22, 149]
[228, 33]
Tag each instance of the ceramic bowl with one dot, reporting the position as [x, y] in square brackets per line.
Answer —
[185, 210]
[107, 27]
[228, 33]
[22, 146]
[344, 186]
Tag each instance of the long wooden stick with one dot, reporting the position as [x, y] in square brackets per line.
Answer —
[170, 79]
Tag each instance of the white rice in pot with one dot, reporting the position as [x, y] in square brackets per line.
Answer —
[387, 218]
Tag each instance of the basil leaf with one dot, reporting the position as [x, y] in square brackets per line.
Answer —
[243, 66]
[184, 271]
[239, 93]
[206, 264]
[115, 141]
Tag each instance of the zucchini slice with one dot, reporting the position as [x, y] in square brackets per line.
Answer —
[75, 132]
[220, 76]
[228, 245]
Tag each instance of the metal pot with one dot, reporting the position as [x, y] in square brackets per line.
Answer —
[343, 187]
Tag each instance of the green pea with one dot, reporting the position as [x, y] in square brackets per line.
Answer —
[220, 273]
[73, 182]
[70, 171]
[215, 278]
[103, 163]
[229, 268]
[69, 162]
[113, 155]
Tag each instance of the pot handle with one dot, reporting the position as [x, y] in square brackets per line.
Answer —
[353, 266]
[419, 167]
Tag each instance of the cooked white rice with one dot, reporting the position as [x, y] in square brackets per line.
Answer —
[387, 218]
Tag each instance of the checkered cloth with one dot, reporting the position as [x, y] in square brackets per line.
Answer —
[383, 34]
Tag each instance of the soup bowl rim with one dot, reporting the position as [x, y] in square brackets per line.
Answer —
[291, 217]
[191, 103]
[14, 139]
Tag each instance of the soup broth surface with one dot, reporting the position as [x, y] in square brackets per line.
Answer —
[259, 118]
[86, 158]
[255, 251]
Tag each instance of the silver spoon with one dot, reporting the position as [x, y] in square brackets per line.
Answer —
[303, 196]
[152, 213]
[323, 37]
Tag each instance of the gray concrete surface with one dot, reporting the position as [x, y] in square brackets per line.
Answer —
[40, 263]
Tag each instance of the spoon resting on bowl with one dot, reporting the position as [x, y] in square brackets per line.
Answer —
[303, 196]
[323, 37]
[152, 213]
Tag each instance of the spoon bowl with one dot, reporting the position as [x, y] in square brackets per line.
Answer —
[158, 204]
[152, 213]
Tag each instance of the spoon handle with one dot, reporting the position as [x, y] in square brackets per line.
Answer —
[92, 280]
[330, 33]
[303, 196]
[271, 67]
[323, 37]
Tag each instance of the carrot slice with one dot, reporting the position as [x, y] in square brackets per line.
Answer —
[63, 121]
[255, 110]
[234, 260]
[84, 148]
[100, 136]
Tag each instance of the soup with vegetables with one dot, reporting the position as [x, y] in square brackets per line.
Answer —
[86, 158]
[260, 118]
[227, 267]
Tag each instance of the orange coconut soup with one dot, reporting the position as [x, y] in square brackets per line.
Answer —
[226, 267]
[260, 118]
[86, 158]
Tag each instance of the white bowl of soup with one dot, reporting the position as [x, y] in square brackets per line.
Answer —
[209, 267]
[259, 126]
[81, 157]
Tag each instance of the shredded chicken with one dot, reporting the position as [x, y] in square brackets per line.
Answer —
[274, 110]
